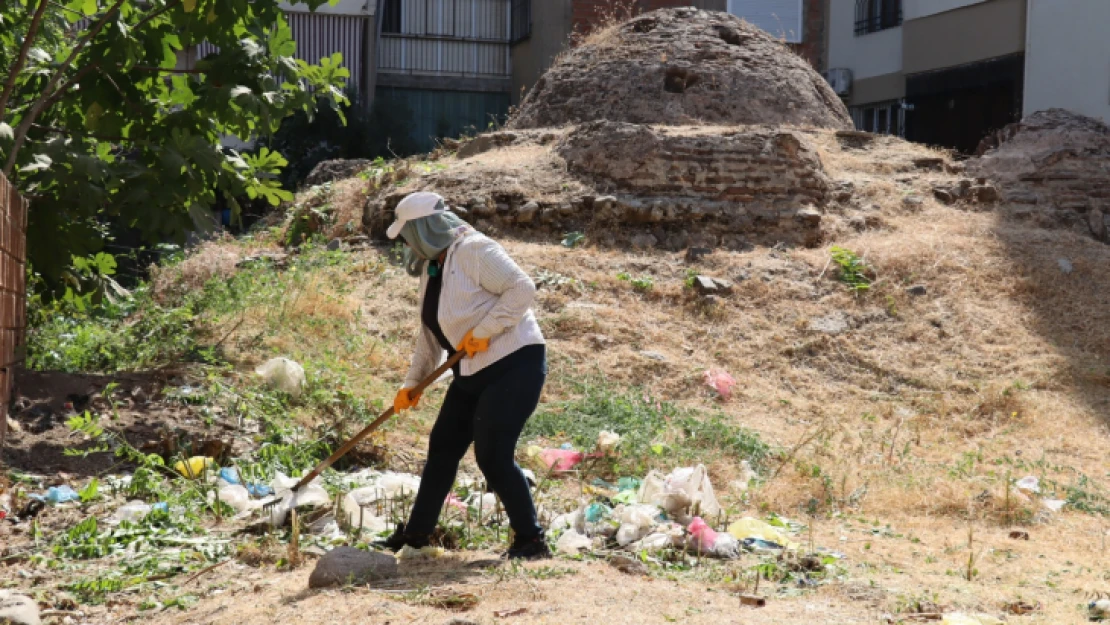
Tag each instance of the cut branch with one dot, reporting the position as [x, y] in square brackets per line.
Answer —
[17, 66]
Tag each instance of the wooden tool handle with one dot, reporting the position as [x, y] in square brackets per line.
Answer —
[366, 431]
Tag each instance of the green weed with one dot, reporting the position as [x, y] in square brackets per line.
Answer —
[853, 271]
[642, 284]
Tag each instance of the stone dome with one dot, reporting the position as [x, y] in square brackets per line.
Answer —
[682, 66]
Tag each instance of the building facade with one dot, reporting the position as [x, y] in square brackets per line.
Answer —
[447, 63]
[948, 72]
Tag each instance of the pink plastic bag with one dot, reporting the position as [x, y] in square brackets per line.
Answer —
[720, 381]
[561, 459]
[455, 502]
[703, 535]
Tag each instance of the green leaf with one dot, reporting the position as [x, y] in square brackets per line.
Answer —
[88, 7]
[105, 264]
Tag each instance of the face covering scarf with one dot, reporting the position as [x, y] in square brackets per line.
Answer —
[427, 238]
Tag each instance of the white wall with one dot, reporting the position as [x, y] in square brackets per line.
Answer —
[1067, 57]
[914, 9]
[342, 7]
[873, 54]
[781, 18]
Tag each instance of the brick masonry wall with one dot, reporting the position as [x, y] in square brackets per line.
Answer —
[755, 182]
[814, 44]
[13, 291]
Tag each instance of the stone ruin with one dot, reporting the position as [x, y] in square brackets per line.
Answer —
[1053, 166]
[677, 128]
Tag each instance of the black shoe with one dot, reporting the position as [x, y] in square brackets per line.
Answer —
[534, 548]
[401, 538]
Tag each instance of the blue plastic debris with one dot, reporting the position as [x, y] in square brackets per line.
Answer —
[628, 483]
[259, 490]
[759, 545]
[566, 446]
[596, 512]
[61, 494]
[229, 475]
[161, 506]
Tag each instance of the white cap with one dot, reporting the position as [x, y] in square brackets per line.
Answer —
[414, 206]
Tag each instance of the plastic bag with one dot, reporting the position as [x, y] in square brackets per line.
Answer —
[561, 459]
[596, 512]
[748, 527]
[726, 546]
[720, 381]
[682, 492]
[311, 494]
[283, 374]
[572, 520]
[654, 542]
[397, 485]
[702, 537]
[236, 496]
[1029, 485]
[636, 521]
[61, 494]
[607, 441]
[355, 505]
[229, 475]
[571, 543]
[131, 511]
[194, 467]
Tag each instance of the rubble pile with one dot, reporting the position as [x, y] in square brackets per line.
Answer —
[1053, 165]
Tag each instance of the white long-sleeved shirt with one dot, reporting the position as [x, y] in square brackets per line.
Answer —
[483, 290]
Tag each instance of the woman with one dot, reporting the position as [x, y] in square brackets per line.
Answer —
[474, 298]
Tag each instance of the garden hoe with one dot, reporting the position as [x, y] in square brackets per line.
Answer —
[349, 445]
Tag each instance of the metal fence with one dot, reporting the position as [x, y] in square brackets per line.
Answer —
[13, 291]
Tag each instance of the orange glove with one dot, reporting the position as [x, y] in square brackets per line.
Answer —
[472, 345]
[405, 400]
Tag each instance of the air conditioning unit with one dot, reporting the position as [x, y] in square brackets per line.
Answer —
[841, 80]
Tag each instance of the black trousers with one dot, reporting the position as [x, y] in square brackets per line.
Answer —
[489, 409]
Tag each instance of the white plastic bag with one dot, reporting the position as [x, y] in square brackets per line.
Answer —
[396, 485]
[311, 494]
[283, 374]
[726, 547]
[572, 520]
[356, 506]
[654, 542]
[571, 543]
[636, 522]
[681, 493]
[236, 496]
[131, 511]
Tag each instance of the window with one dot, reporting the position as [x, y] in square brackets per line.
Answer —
[875, 15]
[884, 118]
[522, 19]
[391, 16]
